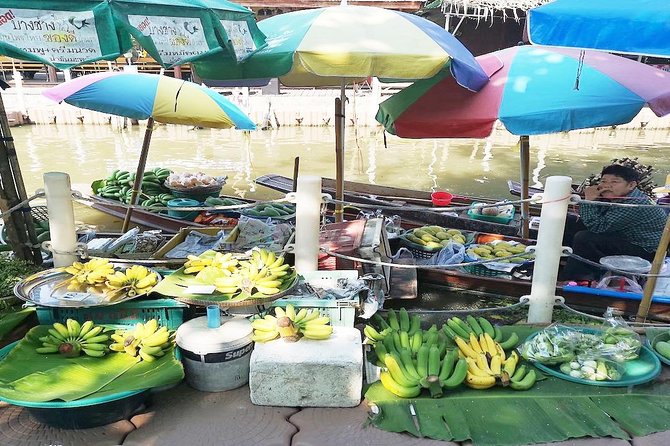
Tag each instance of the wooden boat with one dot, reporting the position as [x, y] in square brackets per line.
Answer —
[399, 198]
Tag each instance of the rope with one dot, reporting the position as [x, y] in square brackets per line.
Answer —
[563, 305]
[614, 203]
[522, 302]
[432, 210]
[609, 268]
[21, 205]
[402, 265]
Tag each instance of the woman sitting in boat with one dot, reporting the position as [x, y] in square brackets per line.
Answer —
[614, 230]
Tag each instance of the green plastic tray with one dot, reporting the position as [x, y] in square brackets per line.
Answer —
[651, 343]
[638, 371]
[64, 404]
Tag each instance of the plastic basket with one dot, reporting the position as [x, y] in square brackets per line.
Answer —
[341, 312]
[168, 312]
[481, 270]
[501, 218]
[196, 193]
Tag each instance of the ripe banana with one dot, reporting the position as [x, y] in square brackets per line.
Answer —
[479, 382]
[392, 386]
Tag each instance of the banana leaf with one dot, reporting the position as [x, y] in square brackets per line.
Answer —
[31, 377]
[10, 321]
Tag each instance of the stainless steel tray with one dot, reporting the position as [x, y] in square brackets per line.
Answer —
[42, 289]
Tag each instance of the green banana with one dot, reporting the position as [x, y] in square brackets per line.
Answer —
[448, 364]
[434, 361]
[498, 334]
[451, 334]
[458, 376]
[422, 361]
[465, 327]
[457, 329]
[397, 373]
[406, 359]
[526, 383]
[393, 319]
[404, 339]
[486, 326]
[510, 342]
[402, 391]
[403, 319]
[417, 340]
[415, 325]
[474, 325]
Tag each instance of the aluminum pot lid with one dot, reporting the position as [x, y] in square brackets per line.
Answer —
[196, 337]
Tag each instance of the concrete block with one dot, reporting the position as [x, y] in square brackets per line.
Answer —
[308, 373]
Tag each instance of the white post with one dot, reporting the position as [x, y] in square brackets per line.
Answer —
[67, 75]
[557, 192]
[18, 85]
[61, 217]
[308, 213]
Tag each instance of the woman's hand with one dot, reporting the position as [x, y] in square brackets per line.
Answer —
[592, 192]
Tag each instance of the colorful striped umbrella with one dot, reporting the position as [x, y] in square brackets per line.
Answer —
[153, 97]
[532, 90]
[340, 45]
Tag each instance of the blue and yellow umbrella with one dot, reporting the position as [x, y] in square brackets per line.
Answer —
[153, 97]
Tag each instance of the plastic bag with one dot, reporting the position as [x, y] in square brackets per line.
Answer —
[593, 369]
[553, 345]
[620, 342]
[619, 283]
[262, 234]
[453, 253]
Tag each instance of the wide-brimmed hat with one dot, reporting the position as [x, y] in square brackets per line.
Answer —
[663, 189]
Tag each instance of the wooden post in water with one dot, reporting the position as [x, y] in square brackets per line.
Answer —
[524, 156]
[22, 233]
[139, 173]
[656, 265]
[296, 171]
[339, 158]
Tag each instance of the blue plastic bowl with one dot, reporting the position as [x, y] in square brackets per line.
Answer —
[182, 202]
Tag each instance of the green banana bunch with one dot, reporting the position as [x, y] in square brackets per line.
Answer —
[147, 341]
[457, 327]
[73, 338]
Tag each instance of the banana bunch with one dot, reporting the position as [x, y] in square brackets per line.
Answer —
[488, 365]
[93, 272]
[73, 338]
[458, 328]
[147, 341]
[263, 274]
[291, 326]
[133, 281]
[210, 258]
[413, 359]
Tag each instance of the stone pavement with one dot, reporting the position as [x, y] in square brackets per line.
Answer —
[183, 416]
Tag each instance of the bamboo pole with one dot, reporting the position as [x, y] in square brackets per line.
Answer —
[296, 171]
[139, 173]
[656, 265]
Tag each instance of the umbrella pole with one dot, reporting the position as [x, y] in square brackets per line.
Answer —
[524, 156]
[339, 153]
[656, 265]
[139, 173]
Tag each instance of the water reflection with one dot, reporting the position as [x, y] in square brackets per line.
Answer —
[477, 167]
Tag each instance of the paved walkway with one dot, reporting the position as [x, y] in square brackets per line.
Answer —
[183, 416]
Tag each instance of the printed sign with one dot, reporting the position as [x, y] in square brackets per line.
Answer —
[58, 36]
[176, 38]
[240, 37]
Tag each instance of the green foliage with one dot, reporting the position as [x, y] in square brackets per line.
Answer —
[13, 271]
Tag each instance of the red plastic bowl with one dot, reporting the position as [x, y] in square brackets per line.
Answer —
[441, 198]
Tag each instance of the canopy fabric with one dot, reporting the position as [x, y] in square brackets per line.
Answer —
[326, 46]
[622, 26]
[533, 90]
[140, 96]
[67, 33]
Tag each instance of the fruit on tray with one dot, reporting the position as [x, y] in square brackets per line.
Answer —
[413, 359]
[488, 364]
[133, 281]
[500, 249]
[263, 274]
[147, 341]
[592, 369]
[291, 325]
[119, 184]
[663, 349]
[435, 237]
[270, 210]
[93, 272]
[459, 328]
[73, 338]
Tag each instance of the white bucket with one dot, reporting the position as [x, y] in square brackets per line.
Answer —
[216, 359]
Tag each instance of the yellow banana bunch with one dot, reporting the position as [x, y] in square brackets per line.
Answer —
[73, 338]
[195, 264]
[291, 325]
[93, 272]
[219, 260]
[147, 341]
[133, 281]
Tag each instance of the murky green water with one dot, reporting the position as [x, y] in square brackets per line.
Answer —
[478, 167]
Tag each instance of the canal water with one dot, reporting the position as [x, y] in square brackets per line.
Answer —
[465, 166]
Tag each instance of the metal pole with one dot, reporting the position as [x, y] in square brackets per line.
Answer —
[656, 265]
[524, 156]
[139, 173]
[549, 247]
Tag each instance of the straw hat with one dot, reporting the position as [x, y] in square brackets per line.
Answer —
[663, 189]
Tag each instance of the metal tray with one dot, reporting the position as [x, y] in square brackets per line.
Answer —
[40, 289]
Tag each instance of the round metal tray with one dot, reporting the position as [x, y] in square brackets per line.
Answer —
[242, 303]
[42, 289]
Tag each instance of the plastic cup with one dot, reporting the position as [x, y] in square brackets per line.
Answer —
[213, 316]
[441, 198]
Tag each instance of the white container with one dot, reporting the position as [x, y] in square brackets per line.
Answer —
[216, 359]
